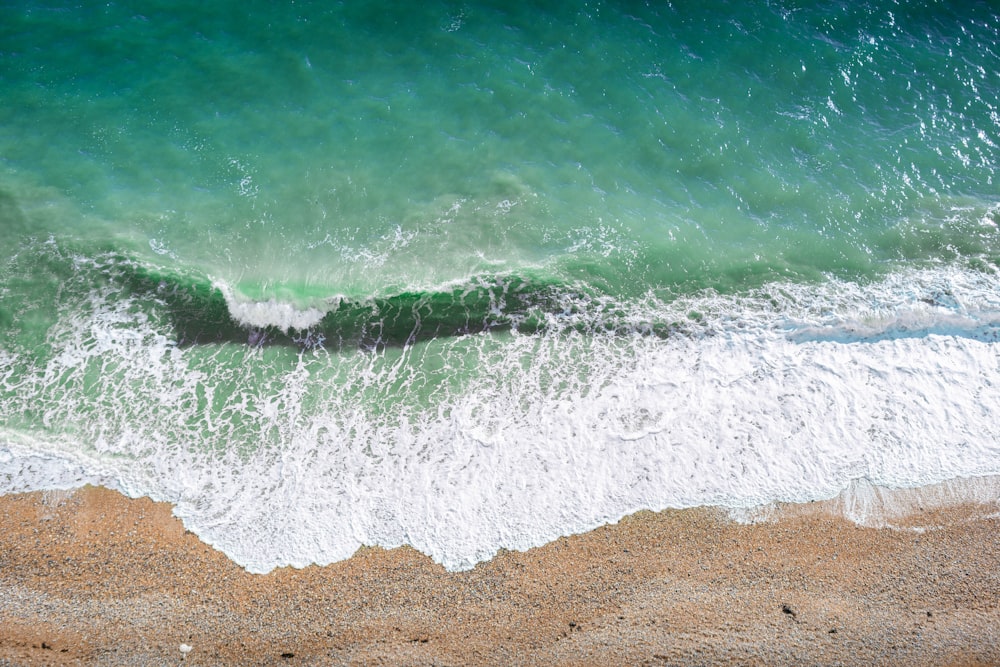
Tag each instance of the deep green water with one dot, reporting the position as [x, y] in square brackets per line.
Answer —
[472, 275]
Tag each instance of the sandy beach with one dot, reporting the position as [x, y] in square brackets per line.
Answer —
[92, 577]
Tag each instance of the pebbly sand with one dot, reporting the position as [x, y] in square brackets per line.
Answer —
[91, 577]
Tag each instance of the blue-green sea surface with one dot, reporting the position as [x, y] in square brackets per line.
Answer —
[471, 276]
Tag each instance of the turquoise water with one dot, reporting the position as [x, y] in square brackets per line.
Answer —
[470, 276]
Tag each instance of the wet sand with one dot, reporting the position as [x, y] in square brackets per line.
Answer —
[91, 577]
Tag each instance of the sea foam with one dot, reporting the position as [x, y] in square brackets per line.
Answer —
[464, 445]
[269, 313]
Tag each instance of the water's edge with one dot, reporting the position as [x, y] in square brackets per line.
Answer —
[918, 509]
[892, 508]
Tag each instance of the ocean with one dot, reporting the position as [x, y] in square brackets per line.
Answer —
[471, 276]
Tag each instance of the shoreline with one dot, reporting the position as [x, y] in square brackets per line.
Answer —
[92, 577]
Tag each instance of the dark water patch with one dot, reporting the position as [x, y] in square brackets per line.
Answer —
[199, 313]
[196, 309]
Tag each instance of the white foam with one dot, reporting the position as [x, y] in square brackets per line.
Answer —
[463, 446]
[270, 313]
[913, 508]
